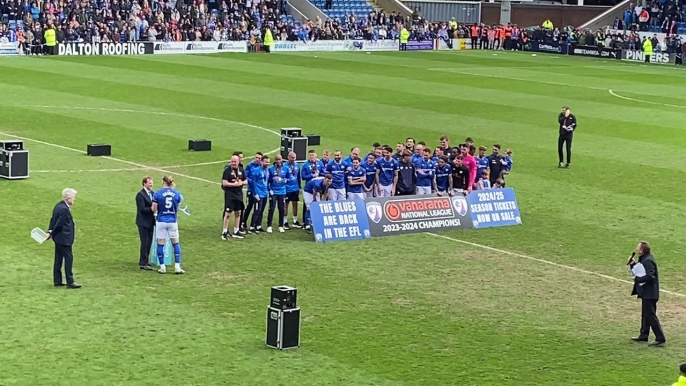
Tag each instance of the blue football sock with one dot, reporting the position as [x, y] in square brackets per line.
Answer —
[177, 253]
[307, 217]
[160, 254]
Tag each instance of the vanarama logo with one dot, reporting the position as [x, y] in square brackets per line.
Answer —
[418, 209]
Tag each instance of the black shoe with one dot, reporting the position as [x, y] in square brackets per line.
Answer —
[74, 285]
[296, 224]
[59, 284]
[225, 235]
[561, 165]
[242, 232]
[237, 235]
[567, 166]
[260, 230]
[146, 267]
[253, 231]
[640, 339]
[286, 226]
[657, 343]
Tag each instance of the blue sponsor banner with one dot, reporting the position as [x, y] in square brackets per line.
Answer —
[550, 47]
[414, 45]
[339, 220]
[493, 208]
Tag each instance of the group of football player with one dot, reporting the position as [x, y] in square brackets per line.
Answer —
[412, 168]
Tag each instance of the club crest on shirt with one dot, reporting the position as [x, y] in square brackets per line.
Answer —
[374, 211]
[460, 205]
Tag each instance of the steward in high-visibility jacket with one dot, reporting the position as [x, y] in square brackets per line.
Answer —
[268, 40]
[50, 41]
[647, 49]
[404, 37]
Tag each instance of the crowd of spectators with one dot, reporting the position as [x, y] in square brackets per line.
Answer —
[666, 16]
[139, 20]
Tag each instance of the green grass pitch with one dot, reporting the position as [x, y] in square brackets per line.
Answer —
[544, 303]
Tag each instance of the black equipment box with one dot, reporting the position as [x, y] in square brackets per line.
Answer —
[284, 297]
[298, 145]
[283, 328]
[291, 132]
[99, 150]
[313, 140]
[12, 144]
[199, 145]
[14, 160]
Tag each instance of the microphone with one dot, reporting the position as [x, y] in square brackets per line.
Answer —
[631, 258]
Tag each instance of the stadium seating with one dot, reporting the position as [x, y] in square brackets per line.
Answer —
[341, 8]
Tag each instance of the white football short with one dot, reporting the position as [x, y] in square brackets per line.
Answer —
[308, 197]
[356, 196]
[167, 230]
[386, 191]
[423, 190]
[336, 194]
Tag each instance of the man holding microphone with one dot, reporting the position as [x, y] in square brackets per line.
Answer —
[647, 288]
[567, 122]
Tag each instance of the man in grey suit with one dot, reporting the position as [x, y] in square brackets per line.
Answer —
[647, 288]
[61, 231]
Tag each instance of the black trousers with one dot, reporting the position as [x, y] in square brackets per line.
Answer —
[248, 209]
[650, 321]
[63, 254]
[145, 234]
[276, 201]
[256, 220]
[565, 140]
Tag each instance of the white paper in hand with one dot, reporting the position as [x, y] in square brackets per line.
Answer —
[185, 210]
[639, 271]
[38, 235]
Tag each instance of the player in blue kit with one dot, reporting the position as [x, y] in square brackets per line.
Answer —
[337, 169]
[444, 184]
[481, 162]
[292, 190]
[279, 176]
[357, 176]
[315, 190]
[370, 175]
[260, 180]
[386, 173]
[165, 203]
[322, 163]
[426, 173]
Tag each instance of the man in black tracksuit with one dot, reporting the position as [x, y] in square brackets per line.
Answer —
[567, 122]
[407, 176]
[496, 162]
[460, 176]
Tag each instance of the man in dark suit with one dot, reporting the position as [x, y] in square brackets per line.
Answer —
[567, 122]
[647, 288]
[61, 231]
[145, 220]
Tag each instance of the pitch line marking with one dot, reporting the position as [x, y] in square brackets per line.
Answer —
[486, 247]
[145, 112]
[111, 158]
[457, 71]
[642, 101]
[543, 261]
[134, 169]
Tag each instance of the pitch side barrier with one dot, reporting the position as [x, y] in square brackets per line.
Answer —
[216, 47]
[390, 216]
